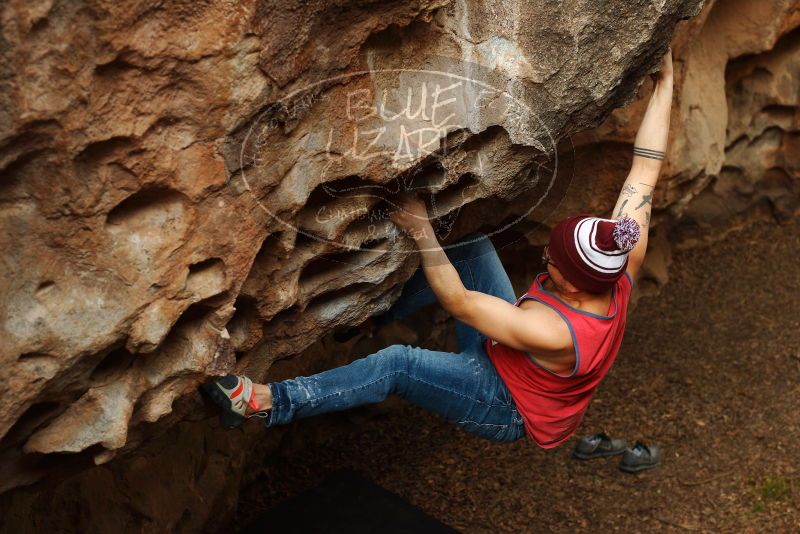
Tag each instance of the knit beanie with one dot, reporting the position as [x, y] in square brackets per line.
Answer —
[592, 253]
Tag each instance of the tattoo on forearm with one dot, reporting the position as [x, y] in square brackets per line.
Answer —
[628, 190]
[646, 199]
[647, 153]
[647, 219]
[619, 213]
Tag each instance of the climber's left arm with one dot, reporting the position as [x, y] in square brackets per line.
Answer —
[649, 148]
[412, 217]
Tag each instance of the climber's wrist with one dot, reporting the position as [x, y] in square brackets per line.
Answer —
[422, 233]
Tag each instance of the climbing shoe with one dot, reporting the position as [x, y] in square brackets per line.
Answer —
[598, 446]
[640, 457]
[233, 394]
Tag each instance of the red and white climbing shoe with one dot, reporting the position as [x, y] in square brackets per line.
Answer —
[233, 394]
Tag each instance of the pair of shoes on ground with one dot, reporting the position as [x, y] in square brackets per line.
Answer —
[233, 394]
[634, 459]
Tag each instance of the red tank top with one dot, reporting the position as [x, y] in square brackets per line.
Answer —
[552, 405]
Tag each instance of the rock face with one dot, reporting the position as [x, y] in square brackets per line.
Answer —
[198, 187]
[169, 175]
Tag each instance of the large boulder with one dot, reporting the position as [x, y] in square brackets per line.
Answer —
[176, 180]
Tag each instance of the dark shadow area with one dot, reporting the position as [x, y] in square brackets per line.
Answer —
[346, 501]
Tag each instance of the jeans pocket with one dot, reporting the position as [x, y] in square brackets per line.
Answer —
[503, 396]
[489, 431]
[516, 418]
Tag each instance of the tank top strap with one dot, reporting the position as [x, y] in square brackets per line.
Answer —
[537, 289]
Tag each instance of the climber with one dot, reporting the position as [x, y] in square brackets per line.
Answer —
[524, 366]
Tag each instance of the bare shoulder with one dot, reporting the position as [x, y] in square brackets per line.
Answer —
[553, 331]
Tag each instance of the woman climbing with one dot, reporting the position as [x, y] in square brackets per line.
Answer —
[524, 366]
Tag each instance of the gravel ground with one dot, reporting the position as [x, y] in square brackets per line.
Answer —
[708, 370]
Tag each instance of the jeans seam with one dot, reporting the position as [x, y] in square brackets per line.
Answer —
[355, 388]
[481, 424]
[384, 377]
[499, 433]
[275, 412]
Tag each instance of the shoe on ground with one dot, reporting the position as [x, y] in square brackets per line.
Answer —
[598, 446]
[640, 457]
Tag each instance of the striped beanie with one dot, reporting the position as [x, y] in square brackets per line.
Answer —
[592, 253]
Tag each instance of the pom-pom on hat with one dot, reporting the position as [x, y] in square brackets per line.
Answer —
[590, 252]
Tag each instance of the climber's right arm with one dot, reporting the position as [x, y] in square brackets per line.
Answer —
[636, 198]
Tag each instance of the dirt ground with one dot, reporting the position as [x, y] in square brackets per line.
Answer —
[709, 370]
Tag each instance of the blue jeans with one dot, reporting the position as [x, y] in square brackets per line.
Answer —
[463, 387]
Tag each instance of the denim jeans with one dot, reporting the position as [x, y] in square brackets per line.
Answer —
[463, 387]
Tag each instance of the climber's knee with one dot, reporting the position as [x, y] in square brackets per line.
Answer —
[394, 364]
[476, 239]
[468, 248]
[393, 358]
[478, 244]
[476, 235]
